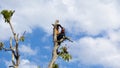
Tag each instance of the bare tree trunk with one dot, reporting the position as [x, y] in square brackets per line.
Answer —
[16, 53]
[54, 52]
[54, 56]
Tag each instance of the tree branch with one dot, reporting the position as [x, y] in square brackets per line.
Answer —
[65, 38]
[7, 49]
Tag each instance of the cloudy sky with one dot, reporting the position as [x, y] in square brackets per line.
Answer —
[93, 25]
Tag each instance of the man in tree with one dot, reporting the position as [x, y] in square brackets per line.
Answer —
[59, 31]
[61, 35]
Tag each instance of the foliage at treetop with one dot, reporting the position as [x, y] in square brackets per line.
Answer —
[7, 14]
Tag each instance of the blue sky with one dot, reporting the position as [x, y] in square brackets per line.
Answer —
[94, 25]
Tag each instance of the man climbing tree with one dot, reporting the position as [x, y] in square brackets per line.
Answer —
[57, 27]
[59, 37]
[59, 34]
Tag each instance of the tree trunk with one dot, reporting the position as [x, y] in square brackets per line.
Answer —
[12, 30]
[16, 67]
[54, 52]
[54, 56]
[17, 57]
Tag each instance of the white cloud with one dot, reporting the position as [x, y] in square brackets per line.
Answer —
[114, 36]
[47, 47]
[24, 64]
[27, 50]
[27, 64]
[92, 51]
[91, 17]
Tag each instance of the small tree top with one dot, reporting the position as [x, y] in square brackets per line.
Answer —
[7, 14]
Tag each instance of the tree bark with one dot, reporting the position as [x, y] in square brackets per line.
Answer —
[13, 32]
[54, 56]
[54, 52]
[16, 53]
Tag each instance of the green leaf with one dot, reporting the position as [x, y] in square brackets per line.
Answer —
[7, 14]
[1, 45]
[55, 66]
[22, 38]
[64, 54]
